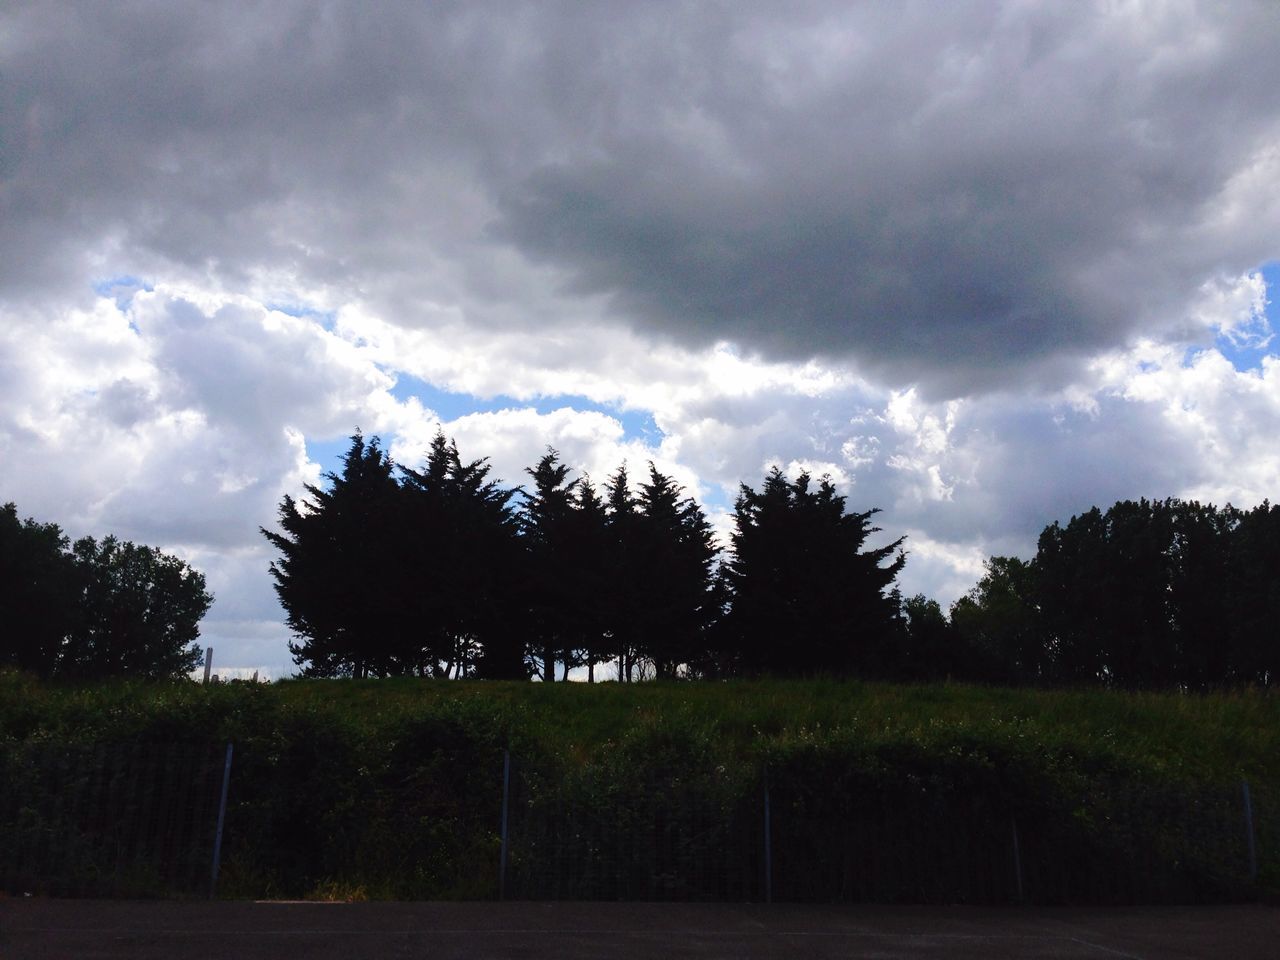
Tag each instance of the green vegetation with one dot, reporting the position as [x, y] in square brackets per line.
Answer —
[391, 788]
[91, 609]
[1201, 737]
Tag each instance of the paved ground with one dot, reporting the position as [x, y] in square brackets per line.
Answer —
[95, 930]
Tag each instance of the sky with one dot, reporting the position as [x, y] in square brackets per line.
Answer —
[986, 264]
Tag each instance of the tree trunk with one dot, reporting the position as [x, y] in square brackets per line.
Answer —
[548, 666]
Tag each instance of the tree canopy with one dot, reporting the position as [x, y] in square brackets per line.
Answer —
[441, 571]
[95, 608]
[1146, 594]
[808, 595]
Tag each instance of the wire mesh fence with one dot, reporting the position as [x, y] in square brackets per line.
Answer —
[1129, 844]
[109, 819]
[586, 835]
[142, 819]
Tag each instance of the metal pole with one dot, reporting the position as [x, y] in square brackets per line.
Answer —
[1017, 859]
[506, 795]
[222, 817]
[768, 847]
[1248, 831]
[208, 662]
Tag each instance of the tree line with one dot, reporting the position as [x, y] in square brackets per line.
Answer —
[92, 608]
[1148, 594]
[442, 572]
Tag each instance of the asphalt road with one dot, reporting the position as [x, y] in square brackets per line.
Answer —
[94, 929]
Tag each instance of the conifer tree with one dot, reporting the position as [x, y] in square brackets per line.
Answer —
[672, 557]
[548, 526]
[337, 577]
[465, 567]
[591, 575]
[623, 600]
[807, 596]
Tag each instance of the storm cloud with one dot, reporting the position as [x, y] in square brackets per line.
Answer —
[964, 195]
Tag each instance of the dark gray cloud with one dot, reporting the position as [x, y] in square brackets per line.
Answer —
[964, 195]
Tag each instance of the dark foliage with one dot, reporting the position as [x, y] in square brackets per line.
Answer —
[808, 596]
[566, 540]
[996, 628]
[465, 570]
[390, 790]
[95, 609]
[338, 573]
[442, 572]
[1148, 594]
[672, 552]
[139, 613]
[38, 588]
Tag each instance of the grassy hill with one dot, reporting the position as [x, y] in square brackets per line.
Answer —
[393, 787]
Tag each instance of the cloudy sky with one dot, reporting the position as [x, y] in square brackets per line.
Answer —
[986, 264]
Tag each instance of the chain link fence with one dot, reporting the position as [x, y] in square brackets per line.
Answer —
[586, 835]
[145, 819]
[110, 819]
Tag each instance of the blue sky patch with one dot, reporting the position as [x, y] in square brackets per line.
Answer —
[1245, 355]
[323, 317]
[328, 453]
[636, 424]
[121, 289]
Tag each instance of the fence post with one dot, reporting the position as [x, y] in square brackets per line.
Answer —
[506, 794]
[1248, 831]
[768, 845]
[1017, 860]
[222, 816]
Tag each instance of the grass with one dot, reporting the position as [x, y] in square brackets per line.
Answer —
[389, 788]
[1219, 736]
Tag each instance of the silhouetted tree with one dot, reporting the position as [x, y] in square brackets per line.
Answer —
[1110, 590]
[138, 614]
[340, 576]
[1254, 584]
[566, 539]
[671, 555]
[807, 596]
[1148, 594]
[95, 609]
[468, 562]
[997, 627]
[592, 574]
[623, 592]
[38, 592]
[548, 527]
[928, 648]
